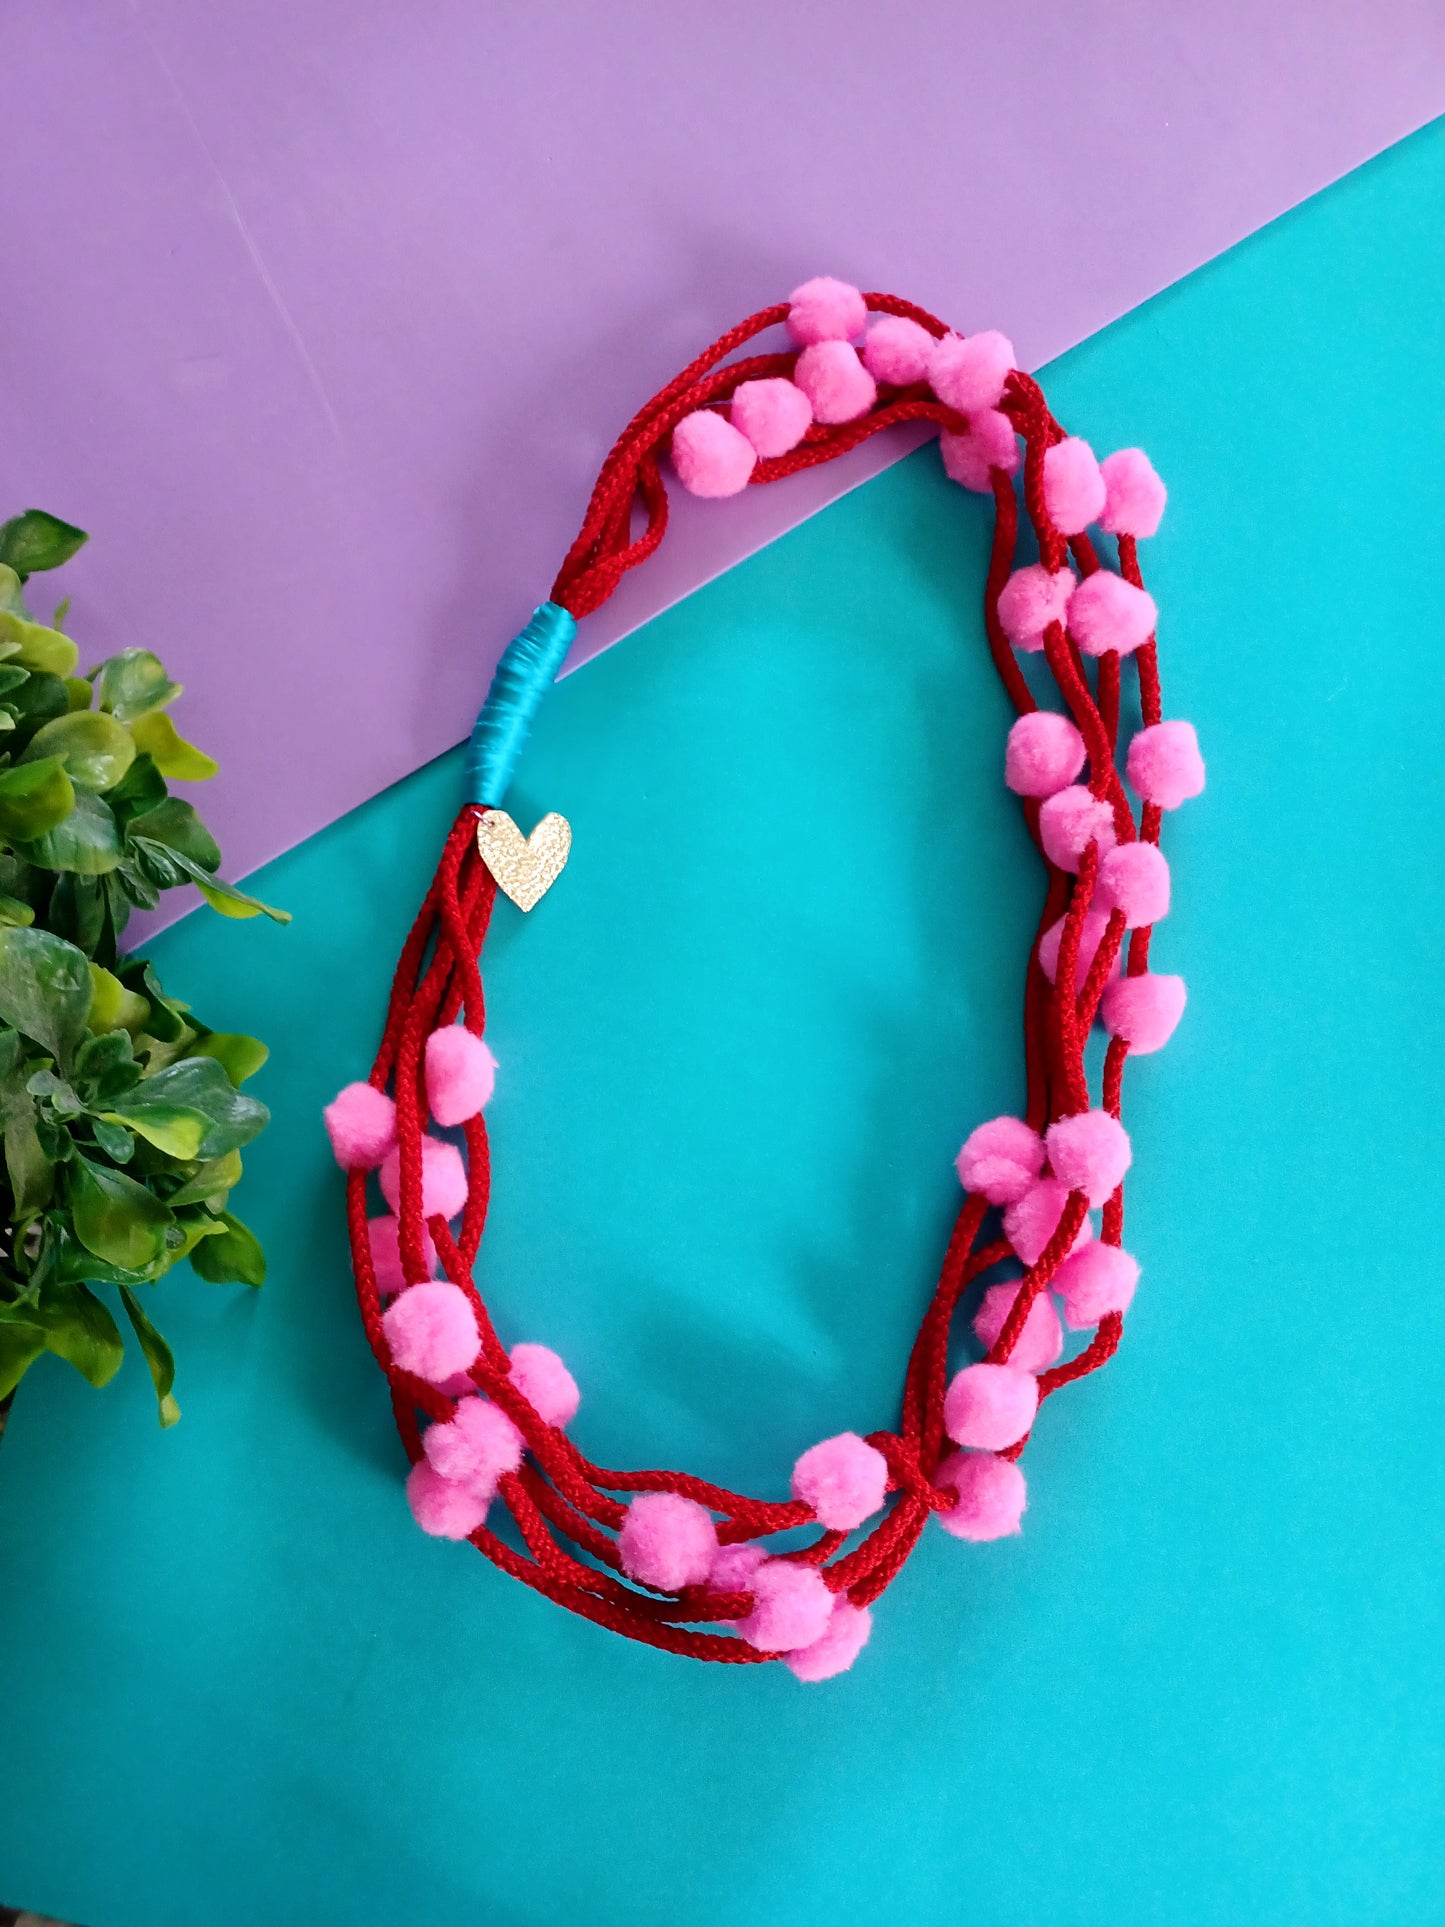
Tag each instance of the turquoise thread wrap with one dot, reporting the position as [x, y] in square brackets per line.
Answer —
[526, 672]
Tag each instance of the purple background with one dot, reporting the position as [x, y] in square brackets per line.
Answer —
[321, 316]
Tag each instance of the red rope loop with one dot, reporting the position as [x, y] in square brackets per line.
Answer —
[566, 1508]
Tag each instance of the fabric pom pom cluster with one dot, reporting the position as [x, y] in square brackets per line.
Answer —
[497, 1418]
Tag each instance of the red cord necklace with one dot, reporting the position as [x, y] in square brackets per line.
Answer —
[665, 1557]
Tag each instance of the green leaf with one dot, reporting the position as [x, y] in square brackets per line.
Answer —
[36, 647]
[87, 841]
[59, 1092]
[176, 1132]
[116, 1218]
[141, 788]
[133, 684]
[137, 889]
[34, 799]
[12, 678]
[114, 1140]
[112, 1006]
[117, 905]
[30, 1171]
[233, 1257]
[172, 755]
[157, 1355]
[95, 749]
[105, 1065]
[167, 1020]
[12, 911]
[77, 1265]
[228, 901]
[225, 897]
[19, 880]
[197, 1222]
[155, 1056]
[34, 540]
[211, 1178]
[239, 1056]
[79, 1329]
[161, 868]
[191, 1109]
[21, 1343]
[44, 989]
[177, 826]
[13, 1067]
[78, 691]
[77, 910]
[39, 698]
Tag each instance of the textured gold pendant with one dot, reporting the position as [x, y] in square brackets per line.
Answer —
[526, 867]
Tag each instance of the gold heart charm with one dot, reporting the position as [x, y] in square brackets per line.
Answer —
[525, 866]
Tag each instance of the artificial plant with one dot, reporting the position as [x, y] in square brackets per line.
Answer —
[122, 1113]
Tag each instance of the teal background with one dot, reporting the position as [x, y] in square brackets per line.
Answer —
[740, 1043]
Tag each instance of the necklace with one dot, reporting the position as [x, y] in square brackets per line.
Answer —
[666, 1557]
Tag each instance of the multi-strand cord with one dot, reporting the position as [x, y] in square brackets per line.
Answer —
[663, 1556]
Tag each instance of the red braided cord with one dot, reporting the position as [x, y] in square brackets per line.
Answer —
[561, 1496]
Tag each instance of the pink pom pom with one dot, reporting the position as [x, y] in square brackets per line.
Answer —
[826, 310]
[1089, 1152]
[843, 1479]
[1144, 1011]
[733, 1567]
[1073, 485]
[546, 1384]
[475, 1446]
[460, 1074]
[1091, 935]
[1045, 753]
[792, 1605]
[667, 1542]
[1106, 612]
[835, 382]
[1069, 821]
[712, 458]
[1032, 1221]
[361, 1123]
[968, 372]
[431, 1331]
[991, 1496]
[843, 1639]
[1134, 878]
[384, 1236]
[444, 1510]
[990, 1405]
[1030, 600]
[897, 351]
[1134, 496]
[1040, 1341]
[774, 414]
[1001, 1159]
[443, 1179]
[1164, 764]
[1096, 1280]
[989, 444]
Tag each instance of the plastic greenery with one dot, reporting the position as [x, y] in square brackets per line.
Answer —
[122, 1113]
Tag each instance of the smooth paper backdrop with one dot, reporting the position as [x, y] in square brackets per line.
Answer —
[740, 1043]
[321, 317]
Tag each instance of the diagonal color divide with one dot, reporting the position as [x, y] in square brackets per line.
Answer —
[322, 316]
